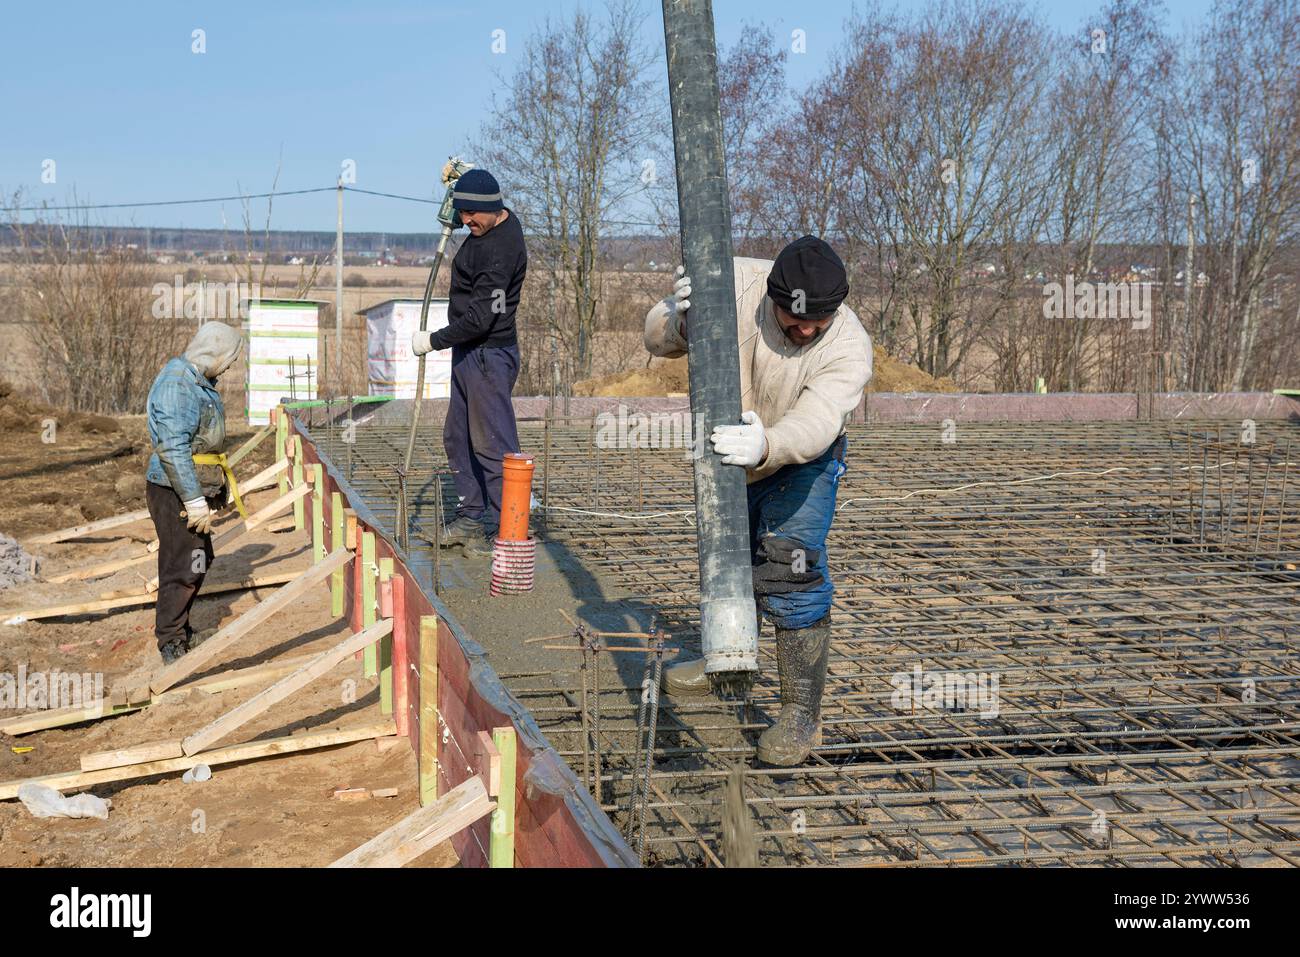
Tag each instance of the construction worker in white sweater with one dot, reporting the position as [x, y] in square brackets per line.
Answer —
[804, 363]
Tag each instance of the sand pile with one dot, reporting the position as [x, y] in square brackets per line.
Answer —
[893, 375]
[662, 377]
[19, 414]
[668, 377]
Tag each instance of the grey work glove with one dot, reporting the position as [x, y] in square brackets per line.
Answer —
[198, 517]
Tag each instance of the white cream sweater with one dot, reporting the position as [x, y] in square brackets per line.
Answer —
[803, 394]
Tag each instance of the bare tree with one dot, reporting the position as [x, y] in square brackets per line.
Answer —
[569, 144]
[87, 304]
[1238, 152]
[950, 139]
[1100, 174]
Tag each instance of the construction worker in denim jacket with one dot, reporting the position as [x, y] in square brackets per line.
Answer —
[185, 416]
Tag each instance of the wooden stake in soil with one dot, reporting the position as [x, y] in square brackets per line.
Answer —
[337, 584]
[369, 598]
[501, 843]
[384, 648]
[429, 733]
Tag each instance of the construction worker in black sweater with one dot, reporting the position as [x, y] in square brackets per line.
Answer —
[479, 430]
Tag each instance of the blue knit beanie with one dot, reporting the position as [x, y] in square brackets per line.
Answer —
[477, 191]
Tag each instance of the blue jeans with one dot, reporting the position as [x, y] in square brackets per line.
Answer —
[480, 428]
[797, 503]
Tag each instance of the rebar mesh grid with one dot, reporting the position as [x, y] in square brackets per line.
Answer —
[1103, 616]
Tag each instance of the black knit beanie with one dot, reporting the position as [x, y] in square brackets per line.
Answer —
[808, 264]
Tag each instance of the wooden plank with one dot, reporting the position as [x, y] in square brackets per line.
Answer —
[354, 607]
[501, 848]
[307, 741]
[136, 754]
[422, 830]
[241, 677]
[317, 513]
[106, 568]
[337, 585]
[350, 525]
[489, 762]
[264, 478]
[126, 601]
[384, 648]
[235, 718]
[60, 717]
[213, 684]
[223, 639]
[233, 458]
[428, 709]
[281, 420]
[369, 599]
[401, 661]
[299, 478]
[78, 531]
[260, 517]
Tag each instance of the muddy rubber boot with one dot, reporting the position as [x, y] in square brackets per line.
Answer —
[480, 545]
[173, 650]
[801, 656]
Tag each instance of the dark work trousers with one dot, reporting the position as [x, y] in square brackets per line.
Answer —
[184, 557]
[480, 428]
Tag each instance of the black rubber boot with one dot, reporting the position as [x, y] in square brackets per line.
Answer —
[801, 656]
[460, 531]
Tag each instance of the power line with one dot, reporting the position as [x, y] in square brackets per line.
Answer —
[409, 199]
[166, 202]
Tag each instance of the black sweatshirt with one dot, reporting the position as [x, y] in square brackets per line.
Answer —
[486, 277]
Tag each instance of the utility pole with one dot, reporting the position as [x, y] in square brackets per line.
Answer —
[728, 623]
[338, 289]
[1189, 340]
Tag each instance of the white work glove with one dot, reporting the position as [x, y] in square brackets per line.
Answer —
[198, 517]
[421, 342]
[681, 299]
[741, 444]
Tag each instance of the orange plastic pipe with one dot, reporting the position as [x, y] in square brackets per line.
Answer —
[516, 494]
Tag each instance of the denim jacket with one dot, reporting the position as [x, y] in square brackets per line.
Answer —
[185, 416]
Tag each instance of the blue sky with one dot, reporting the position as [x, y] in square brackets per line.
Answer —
[115, 96]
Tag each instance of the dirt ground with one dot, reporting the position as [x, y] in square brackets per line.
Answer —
[668, 377]
[271, 811]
